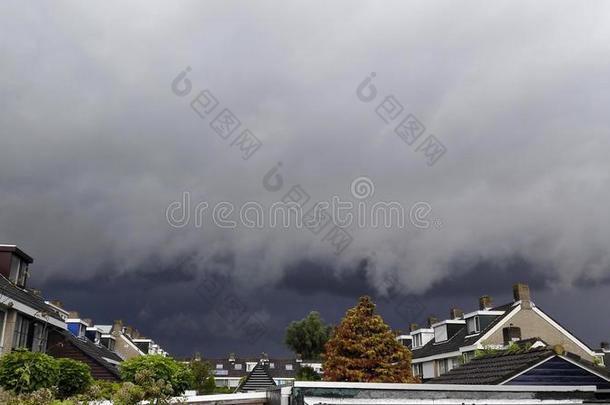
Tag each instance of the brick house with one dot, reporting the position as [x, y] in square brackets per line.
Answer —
[445, 344]
[25, 317]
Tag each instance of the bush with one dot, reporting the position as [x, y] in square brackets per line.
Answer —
[22, 371]
[74, 378]
[307, 373]
[173, 377]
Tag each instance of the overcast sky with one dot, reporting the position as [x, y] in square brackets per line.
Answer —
[95, 145]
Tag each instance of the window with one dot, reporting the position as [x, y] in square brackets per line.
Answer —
[219, 367]
[443, 366]
[250, 366]
[19, 269]
[288, 366]
[468, 356]
[2, 320]
[418, 369]
[271, 365]
[473, 324]
[22, 330]
[237, 366]
[39, 340]
[417, 340]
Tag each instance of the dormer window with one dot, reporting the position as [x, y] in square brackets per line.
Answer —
[417, 340]
[19, 271]
[473, 324]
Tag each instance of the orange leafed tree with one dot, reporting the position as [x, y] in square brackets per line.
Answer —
[364, 349]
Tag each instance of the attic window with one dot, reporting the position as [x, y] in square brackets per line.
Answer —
[473, 324]
[417, 340]
[288, 366]
[271, 365]
[238, 366]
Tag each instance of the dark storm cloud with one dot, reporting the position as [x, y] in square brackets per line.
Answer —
[95, 146]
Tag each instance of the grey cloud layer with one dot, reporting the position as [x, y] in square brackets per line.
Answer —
[95, 145]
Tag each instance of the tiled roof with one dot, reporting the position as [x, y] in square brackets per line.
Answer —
[460, 339]
[26, 297]
[541, 366]
[494, 369]
[257, 380]
[96, 352]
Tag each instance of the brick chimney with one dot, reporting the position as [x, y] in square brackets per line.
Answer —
[432, 320]
[299, 358]
[129, 331]
[232, 357]
[455, 313]
[485, 302]
[521, 292]
[88, 321]
[413, 327]
[73, 315]
[117, 326]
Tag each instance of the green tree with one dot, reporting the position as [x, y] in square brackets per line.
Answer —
[307, 373]
[22, 371]
[308, 336]
[162, 374]
[74, 378]
[203, 380]
[364, 349]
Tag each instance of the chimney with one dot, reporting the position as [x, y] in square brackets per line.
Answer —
[129, 331]
[135, 334]
[117, 326]
[521, 292]
[36, 292]
[413, 327]
[485, 302]
[605, 346]
[432, 320]
[299, 358]
[57, 303]
[511, 334]
[88, 321]
[231, 357]
[73, 315]
[455, 313]
[264, 357]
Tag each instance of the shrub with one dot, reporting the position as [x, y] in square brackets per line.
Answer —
[22, 371]
[100, 389]
[74, 378]
[128, 394]
[174, 377]
[307, 373]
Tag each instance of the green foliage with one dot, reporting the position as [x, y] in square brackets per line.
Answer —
[22, 371]
[364, 349]
[203, 380]
[156, 373]
[307, 374]
[74, 378]
[308, 336]
[128, 394]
